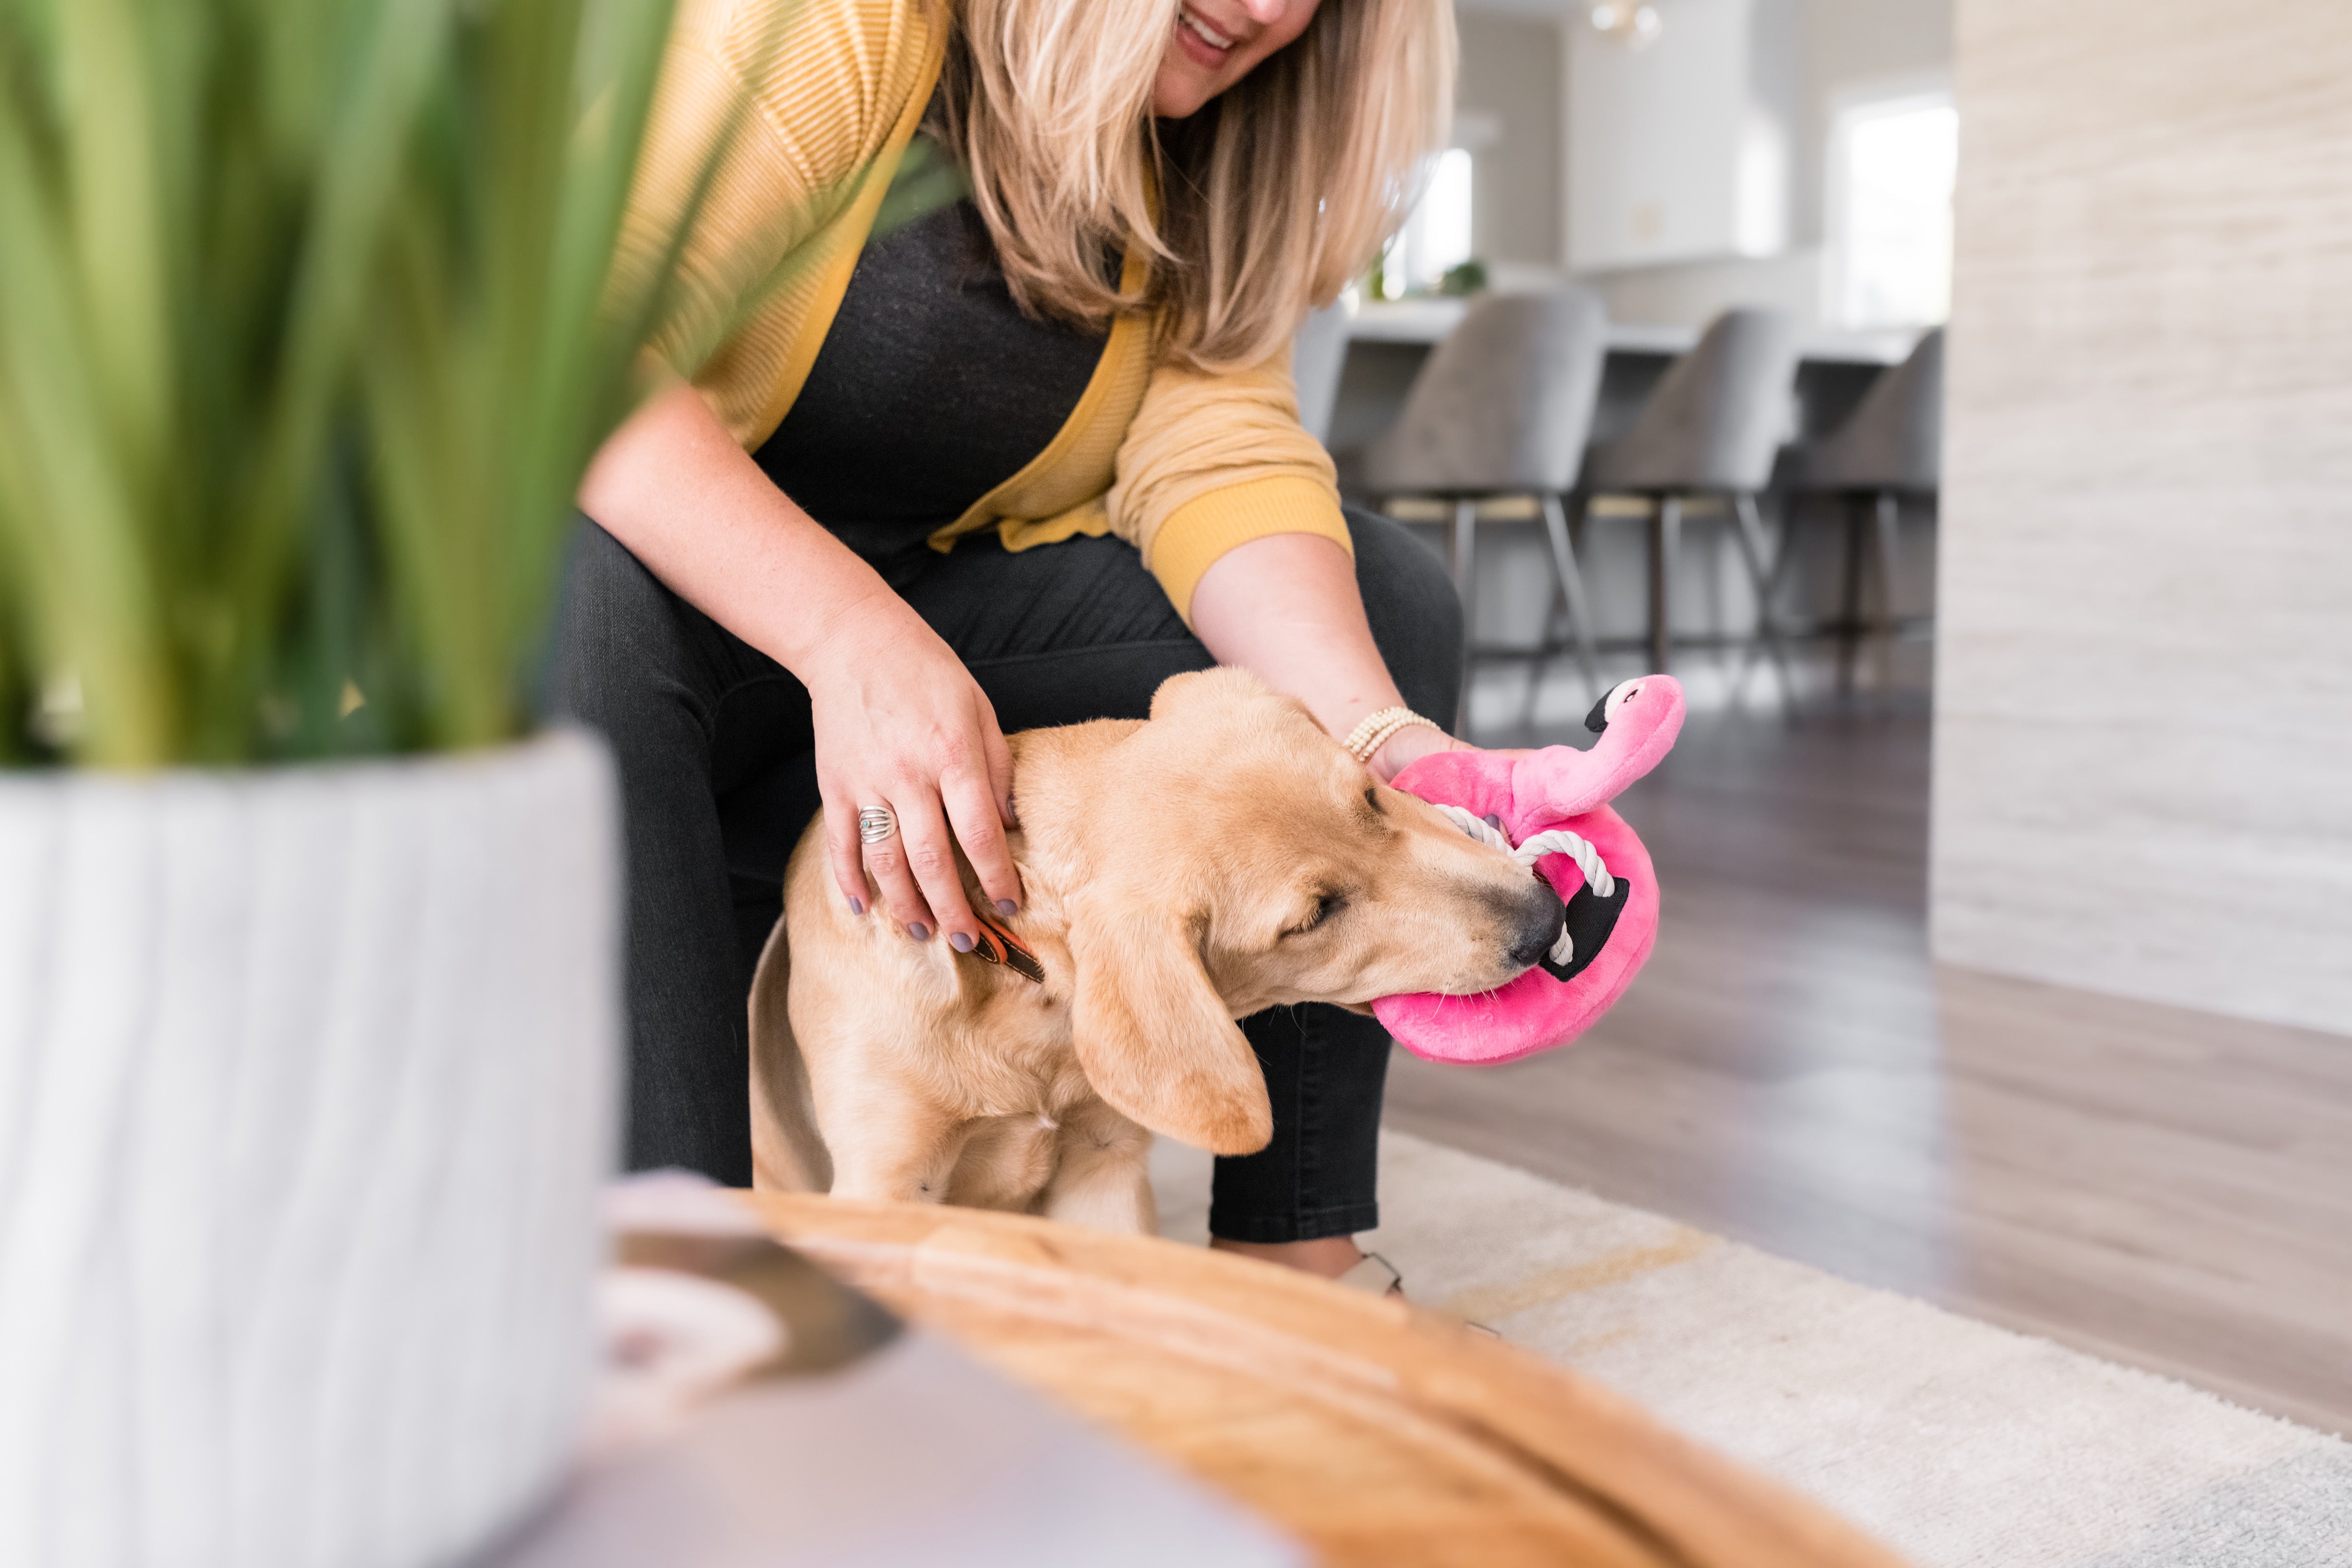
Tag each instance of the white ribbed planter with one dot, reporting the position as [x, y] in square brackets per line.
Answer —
[307, 1089]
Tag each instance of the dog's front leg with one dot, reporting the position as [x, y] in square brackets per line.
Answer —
[1102, 1177]
[891, 1142]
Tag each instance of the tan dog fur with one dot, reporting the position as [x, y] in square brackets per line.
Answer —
[1224, 857]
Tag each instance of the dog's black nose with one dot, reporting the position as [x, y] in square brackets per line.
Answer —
[1538, 923]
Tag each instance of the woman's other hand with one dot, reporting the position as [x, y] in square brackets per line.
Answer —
[901, 724]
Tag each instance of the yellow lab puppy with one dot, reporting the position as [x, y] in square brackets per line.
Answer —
[1223, 857]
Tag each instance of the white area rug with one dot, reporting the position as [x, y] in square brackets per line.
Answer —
[1957, 1443]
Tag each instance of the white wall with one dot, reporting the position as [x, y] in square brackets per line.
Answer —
[1653, 138]
[2143, 775]
[1510, 91]
[1797, 59]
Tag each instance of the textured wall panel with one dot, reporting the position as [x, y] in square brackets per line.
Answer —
[2144, 712]
[306, 1086]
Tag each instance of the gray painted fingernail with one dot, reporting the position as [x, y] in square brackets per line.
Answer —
[960, 941]
[857, 906]
[919, 931]
[1007, 907]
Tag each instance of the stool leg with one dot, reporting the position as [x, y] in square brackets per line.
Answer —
[1890, 516]
[1850, 599]
[1750, 535]
[1466, 528]
[1465, 584]
[1768, 593]
[1571, 585]
[1665, 549]
[1539, 659]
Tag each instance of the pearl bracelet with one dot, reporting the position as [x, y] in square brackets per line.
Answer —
[1373, 730]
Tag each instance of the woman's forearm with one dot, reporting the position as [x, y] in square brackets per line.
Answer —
[1287, 608]
[676, 490]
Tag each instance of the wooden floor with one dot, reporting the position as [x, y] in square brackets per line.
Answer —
[2168, 1189]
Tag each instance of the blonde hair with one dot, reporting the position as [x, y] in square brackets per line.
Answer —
[1255, 210]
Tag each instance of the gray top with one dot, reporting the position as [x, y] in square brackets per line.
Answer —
[931, 388]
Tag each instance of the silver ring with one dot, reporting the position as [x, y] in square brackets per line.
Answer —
[876, 824]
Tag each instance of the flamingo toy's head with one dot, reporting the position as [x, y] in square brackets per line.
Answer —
[1613, 919]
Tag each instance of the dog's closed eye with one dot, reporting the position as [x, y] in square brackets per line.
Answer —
[1327, 903]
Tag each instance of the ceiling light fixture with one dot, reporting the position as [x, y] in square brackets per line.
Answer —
[1636, 26]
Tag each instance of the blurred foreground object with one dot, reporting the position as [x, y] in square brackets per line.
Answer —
[849, 1441]
[309, 321]
[1377, 1432]
[307, 1092]
[308, 327]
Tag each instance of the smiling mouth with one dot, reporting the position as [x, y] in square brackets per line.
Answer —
[1196, 30]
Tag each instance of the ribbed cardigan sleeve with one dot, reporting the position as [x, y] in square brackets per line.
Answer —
[1216, 460]
[814, 90]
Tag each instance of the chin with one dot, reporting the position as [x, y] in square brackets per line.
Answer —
[1181, 98]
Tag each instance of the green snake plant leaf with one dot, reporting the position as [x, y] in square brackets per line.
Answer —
[356, 178]
[579, 379]
[87, 593]
[311, 313]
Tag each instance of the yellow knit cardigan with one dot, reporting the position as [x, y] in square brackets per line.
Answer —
[1184, 466]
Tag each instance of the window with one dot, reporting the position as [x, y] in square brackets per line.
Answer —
[1890, 210]
[1760, 225]
[1436, 237]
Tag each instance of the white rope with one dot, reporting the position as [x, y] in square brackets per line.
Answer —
[1554, 841]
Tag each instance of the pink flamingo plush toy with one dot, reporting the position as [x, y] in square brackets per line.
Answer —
[1593, 861]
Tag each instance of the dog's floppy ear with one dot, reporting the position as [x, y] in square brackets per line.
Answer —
[1155, 1038]
[1225, 688]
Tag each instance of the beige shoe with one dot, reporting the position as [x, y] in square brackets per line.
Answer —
[1375, 1276]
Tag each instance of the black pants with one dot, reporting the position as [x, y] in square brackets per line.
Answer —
[719, 779]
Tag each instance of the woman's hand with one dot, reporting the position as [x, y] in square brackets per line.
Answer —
[1409, 746]
[901, 724]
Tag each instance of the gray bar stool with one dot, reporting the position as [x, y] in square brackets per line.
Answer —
[1503, 409]
[1891, 446]
[1712, 427]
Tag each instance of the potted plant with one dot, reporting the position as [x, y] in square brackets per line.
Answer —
[308, 1014]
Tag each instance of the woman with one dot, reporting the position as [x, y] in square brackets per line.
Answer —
[1011, 463]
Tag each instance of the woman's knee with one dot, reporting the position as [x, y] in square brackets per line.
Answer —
[1415, 615]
